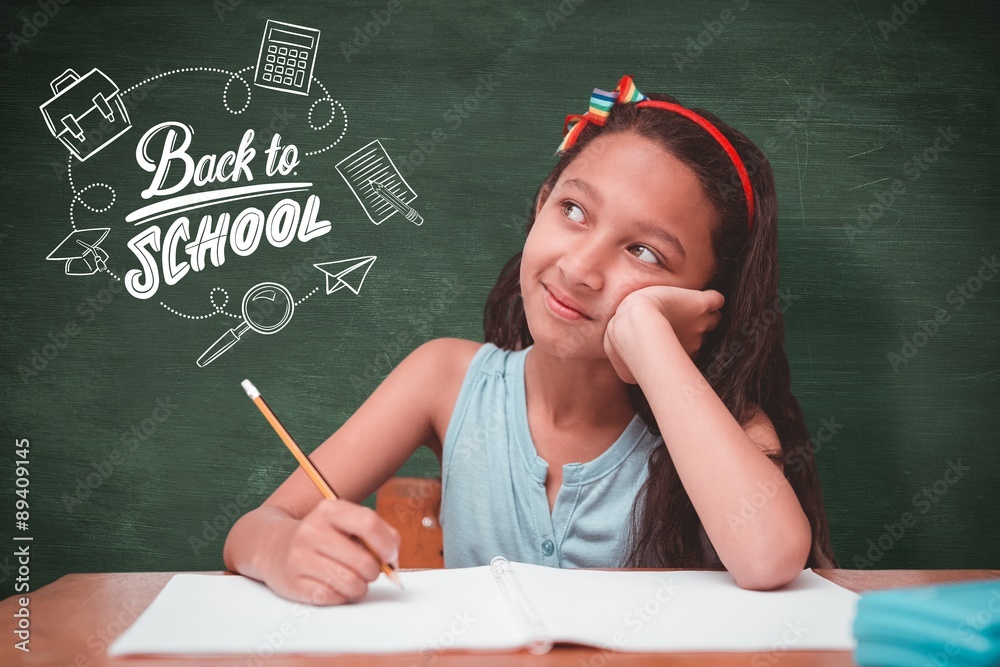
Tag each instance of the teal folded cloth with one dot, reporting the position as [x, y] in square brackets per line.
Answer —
[953, 625]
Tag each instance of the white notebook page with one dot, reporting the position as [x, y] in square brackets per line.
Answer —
[688, 611]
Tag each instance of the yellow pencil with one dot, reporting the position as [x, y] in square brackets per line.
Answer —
[311, 470]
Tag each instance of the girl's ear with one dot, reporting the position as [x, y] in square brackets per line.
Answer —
[543, 196]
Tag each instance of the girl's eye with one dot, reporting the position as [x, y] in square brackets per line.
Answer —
[642, 253]
[568, 207]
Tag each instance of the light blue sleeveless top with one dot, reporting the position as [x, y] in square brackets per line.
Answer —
[493, 499]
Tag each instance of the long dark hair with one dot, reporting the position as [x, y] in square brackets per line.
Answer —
[743, 358]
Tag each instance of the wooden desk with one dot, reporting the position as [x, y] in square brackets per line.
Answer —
[74, 619]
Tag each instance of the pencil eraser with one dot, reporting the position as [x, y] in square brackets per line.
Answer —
[250, 389]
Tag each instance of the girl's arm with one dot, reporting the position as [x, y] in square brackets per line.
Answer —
[298, 543]
[720, 465]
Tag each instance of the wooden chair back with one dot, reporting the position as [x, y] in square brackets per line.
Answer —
[412, 505]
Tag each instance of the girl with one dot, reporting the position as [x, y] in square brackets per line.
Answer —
[631, 406]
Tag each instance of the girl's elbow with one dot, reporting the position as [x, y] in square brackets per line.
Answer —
[777, 568]
[766, 579]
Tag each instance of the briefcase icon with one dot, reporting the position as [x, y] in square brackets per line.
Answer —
[85, 113]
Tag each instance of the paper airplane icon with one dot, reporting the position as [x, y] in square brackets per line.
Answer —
[337, 273]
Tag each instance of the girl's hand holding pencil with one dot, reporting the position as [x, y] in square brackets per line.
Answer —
[316, 560]
[686, 314]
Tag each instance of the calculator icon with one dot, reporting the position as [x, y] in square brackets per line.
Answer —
[287, 56]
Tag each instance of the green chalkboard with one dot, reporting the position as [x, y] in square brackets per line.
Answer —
[880, 119]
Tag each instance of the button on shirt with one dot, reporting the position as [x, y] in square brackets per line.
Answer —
[493, 499]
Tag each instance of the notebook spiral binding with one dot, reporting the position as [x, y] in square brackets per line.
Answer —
[521, 606]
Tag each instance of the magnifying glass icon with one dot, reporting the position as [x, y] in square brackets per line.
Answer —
[267, 308]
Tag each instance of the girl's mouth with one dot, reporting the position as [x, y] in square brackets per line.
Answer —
[562, 306]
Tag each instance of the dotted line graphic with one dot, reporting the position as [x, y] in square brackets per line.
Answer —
[232, 75]
[326, 93]
[307, 295]
[112, 274]
[312, 107]
[333, 114]
[225, 90]
[78, 194]
[219, 309]
[187, 317]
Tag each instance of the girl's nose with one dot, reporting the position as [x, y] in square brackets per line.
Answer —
[582, 263]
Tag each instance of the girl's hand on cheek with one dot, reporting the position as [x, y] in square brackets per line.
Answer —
[646, 315]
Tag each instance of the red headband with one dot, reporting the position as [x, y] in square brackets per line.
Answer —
[602, 101]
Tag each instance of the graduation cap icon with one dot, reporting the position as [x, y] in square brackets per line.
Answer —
[82, 252]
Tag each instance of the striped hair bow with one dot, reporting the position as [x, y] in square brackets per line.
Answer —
[601, 103]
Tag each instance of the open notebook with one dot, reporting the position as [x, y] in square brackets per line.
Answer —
[503, 606]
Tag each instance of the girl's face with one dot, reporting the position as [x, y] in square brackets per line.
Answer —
[624, 215]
